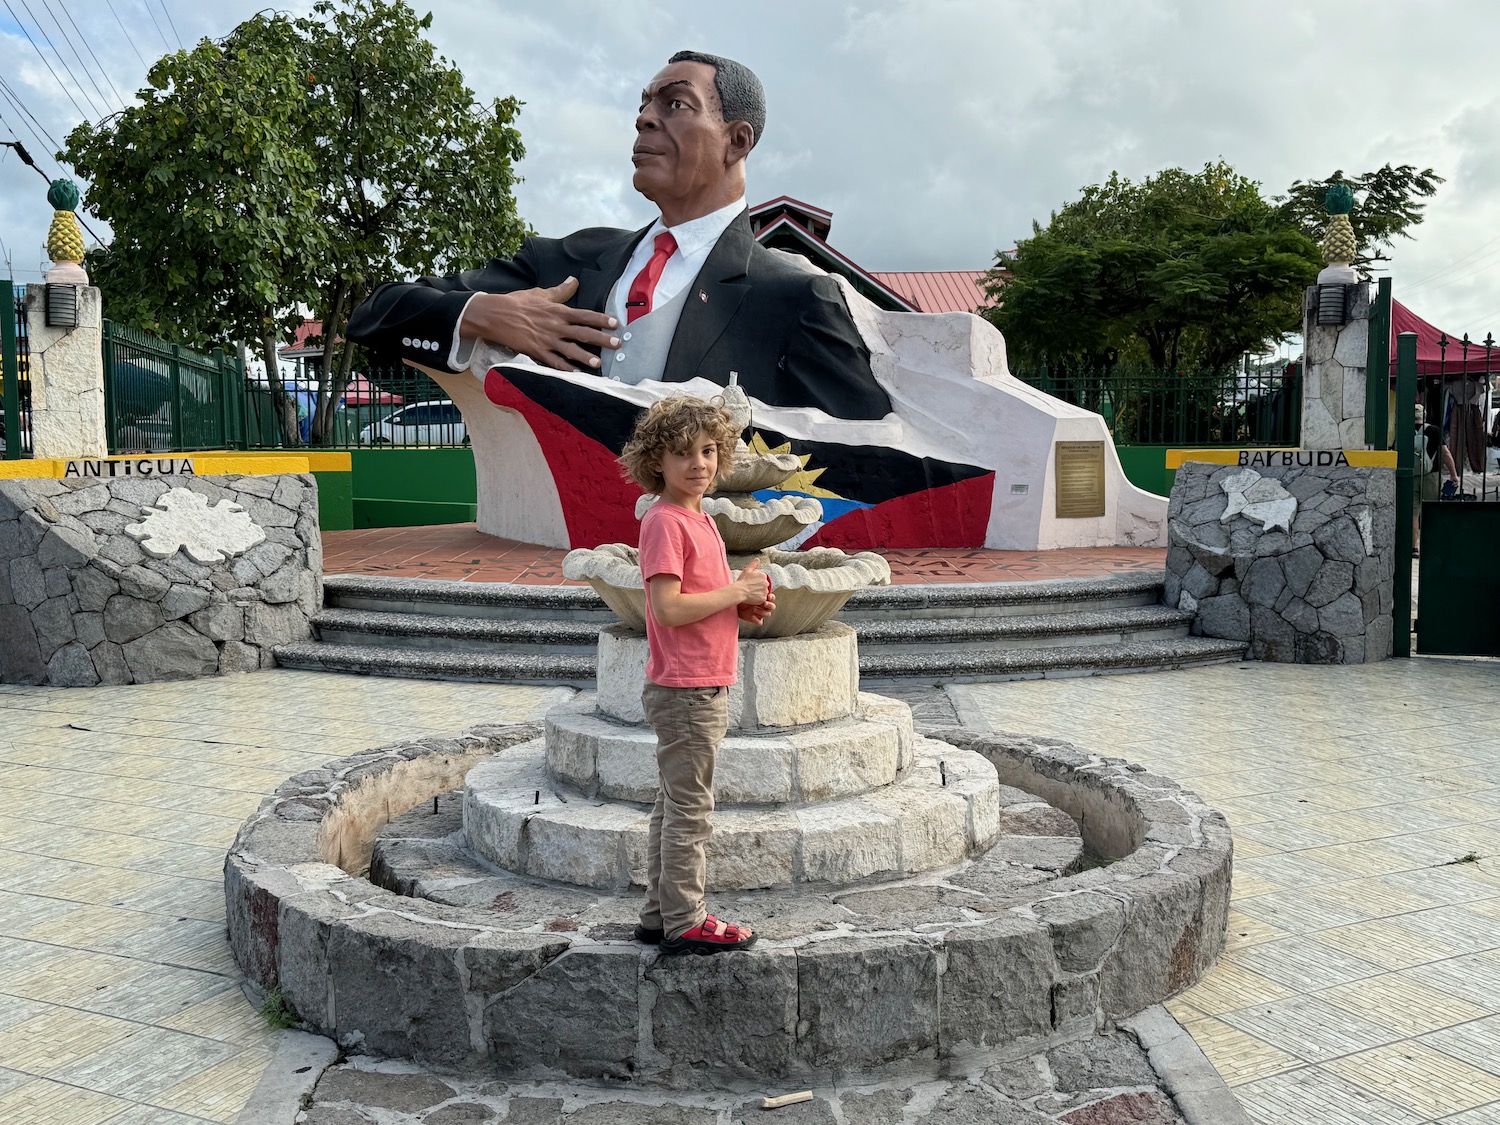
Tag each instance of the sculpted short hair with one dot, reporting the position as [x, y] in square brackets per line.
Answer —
[741, 96]
[668, 426]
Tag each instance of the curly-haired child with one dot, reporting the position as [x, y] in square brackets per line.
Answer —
[694, 603]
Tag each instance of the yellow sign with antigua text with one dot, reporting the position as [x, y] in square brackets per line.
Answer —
[1286, 458]
[176, 465]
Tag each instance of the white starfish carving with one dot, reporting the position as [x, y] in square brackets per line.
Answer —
[1258, 498]
[183, 520]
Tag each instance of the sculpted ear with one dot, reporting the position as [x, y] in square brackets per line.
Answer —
[741, 139]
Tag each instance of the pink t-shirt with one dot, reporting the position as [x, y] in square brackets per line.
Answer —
[706, 652]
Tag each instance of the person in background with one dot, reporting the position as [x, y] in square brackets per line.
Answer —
[1430, 453]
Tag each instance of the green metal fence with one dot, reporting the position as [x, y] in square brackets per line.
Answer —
[1144, 406]
[160, 397]
[15, 374]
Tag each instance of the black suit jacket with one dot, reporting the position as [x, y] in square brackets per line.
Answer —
[786, 331]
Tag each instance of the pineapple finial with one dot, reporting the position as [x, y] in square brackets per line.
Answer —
[65, 236]
[1338, 240]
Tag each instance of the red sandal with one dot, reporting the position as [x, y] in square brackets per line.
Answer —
[709, 936]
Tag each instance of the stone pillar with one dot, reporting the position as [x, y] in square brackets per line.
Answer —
[1333, 378]
[67, 378]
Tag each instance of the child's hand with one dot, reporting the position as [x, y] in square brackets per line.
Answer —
[754, 587]
[757, 614]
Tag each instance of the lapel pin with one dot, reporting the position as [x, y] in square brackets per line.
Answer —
[702, 296]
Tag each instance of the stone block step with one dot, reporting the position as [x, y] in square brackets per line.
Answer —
[610, 760]
[913, 661]
[457, 634]
[423, 664]
[1015, 631]
[1065, 660]
[944, 809]
[1000, 599]
[580, 603]
[504, 600]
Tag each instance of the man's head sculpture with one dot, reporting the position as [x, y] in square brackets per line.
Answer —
[699, 118]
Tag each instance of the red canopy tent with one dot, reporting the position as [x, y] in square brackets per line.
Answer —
[1432, 359]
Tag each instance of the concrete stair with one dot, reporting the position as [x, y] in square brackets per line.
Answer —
[547, 634]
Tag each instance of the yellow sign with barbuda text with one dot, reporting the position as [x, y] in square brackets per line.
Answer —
[1286, 458]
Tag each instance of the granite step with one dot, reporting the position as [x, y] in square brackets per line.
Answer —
[457, 634]
[1016, 631]
[538, 667]
[1063, 660]
[501, 600]
[999, 599]
[907, 662]
[580, 603]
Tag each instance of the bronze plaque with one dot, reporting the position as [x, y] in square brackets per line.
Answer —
[1080, 479]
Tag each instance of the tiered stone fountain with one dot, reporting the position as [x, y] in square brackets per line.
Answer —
[920, 901]
[816, 783]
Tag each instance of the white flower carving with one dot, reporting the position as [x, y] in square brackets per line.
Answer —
[1262, 499]
[183, 520]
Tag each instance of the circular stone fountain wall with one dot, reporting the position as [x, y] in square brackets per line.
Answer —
[531, 977]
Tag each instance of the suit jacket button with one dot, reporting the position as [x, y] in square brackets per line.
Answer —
[619, 356]
[626, 336]
[406, 341]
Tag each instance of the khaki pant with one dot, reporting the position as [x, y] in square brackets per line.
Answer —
[689, 724]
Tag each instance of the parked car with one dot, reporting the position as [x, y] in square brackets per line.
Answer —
[421, 423]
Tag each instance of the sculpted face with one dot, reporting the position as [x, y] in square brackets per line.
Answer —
[688, 159]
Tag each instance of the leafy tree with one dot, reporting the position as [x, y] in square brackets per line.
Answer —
[1180, 269]
[415, 177]
[294, 165]
[209, 186]
[1388, 203]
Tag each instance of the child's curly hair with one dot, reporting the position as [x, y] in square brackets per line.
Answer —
[669, 425]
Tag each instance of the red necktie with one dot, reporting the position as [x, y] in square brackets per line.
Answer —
[643, 288]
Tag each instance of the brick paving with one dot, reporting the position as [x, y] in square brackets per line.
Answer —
[1362, 979]
[1362, 982]
[459, 552]
[119, 1002]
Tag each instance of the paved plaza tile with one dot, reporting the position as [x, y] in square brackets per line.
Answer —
[119, 1002]
[1361, 982]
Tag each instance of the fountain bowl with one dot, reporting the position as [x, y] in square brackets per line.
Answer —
[811, 586]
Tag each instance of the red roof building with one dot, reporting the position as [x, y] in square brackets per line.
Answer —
[789, 224]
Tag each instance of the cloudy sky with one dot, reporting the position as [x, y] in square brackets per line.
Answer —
[936, 131]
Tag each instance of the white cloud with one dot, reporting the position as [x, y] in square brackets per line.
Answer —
[937, 130]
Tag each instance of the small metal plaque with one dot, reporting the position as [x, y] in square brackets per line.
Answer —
[1079, 466]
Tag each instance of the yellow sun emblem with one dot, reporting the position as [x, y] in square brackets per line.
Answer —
[801, 481]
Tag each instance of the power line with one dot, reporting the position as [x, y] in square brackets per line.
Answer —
[43, 57]
[119, 98]
[68, 39]
[126, 30]
[159, 31]
[43, 138]
[68, 70]
[171, 23]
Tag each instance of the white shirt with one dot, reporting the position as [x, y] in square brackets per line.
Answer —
[695, 239]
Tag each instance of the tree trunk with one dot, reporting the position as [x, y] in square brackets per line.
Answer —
[281, 402]
[328, 389]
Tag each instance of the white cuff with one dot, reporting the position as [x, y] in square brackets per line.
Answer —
[462, 350]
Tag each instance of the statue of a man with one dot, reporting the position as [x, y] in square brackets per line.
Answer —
[693, 294]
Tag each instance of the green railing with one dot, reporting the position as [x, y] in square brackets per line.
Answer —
[160, 397]
[15, 374]
[1143, 406]
[390, 405]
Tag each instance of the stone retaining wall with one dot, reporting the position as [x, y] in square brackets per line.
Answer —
[456, 985]
[82, 602]
[1297, 560]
